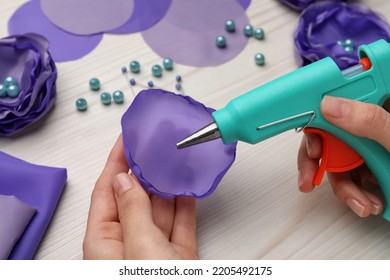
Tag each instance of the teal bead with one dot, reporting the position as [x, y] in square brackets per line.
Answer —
[105, 98]
[168, 63]
[157, 70]
[220, 41]
[260, 59]
[349, 42]
[9, 81]
[13, 90]
[259, 33]
[349, 49]
[81, 104]
[3, 90]
[118, 97]
[248, 30]
[135, 67]
[230, 25]
[94, 84]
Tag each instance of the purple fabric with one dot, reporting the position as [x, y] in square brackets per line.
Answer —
[85, 17]
[188, 31]
[26, 58]
[324, 24]
[145, 14]
[14, 218]
[64, 46]
[151, 127]
[300, 5]
[38, 186]
[244, 3]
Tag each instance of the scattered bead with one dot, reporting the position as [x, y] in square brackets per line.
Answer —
[259, 33]
[230, 25]
[260, 59]
[118, 97]
[349, 49]
[135, 67]
[105, 98]
[132, 82]
[168, 63]
[220, 41]
[178, 87]
[150, 84]
[13, 90]
[348, 45]
[157, 70]
[9, 81]
[124, 70]
[81, 104]
[94, 84]
[178, 78]
[248, 30]
[3, 90]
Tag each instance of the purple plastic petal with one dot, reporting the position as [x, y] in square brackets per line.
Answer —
[64, 46]
[14, 218]
[188, 31]
[26, 58]
[85, 17]
[244, 3]
[38, 186]
[300, 5]
[153, 124]
[145, 15]
[324, 27]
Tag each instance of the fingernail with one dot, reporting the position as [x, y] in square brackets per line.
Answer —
[376, 209]
[335, 107]
[124, 184]
[356, 206]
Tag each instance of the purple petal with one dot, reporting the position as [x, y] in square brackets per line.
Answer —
[300, 5]
[324, 27]
[244, 3]
[153, 124]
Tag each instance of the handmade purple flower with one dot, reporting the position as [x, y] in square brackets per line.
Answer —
[300, 5]
[337, 30]
[153, 124]
[27, 60]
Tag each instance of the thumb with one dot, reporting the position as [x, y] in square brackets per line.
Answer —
[361, 119]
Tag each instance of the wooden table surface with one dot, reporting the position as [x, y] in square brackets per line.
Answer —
[257, 211]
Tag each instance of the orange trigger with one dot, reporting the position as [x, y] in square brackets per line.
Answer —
[336, 155]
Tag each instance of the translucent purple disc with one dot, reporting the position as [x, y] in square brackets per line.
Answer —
[85, 17]
[188, 32]
[145, 15]
[151, 127]
[64, 46]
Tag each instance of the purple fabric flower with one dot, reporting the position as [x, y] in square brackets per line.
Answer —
[26, 58]
[337, 30]
[153, 124]
[300, 5]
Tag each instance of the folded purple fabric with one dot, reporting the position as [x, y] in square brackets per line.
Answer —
[38, 186]
[14, 218]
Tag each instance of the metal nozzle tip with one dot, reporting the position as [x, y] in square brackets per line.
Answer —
[205, 134]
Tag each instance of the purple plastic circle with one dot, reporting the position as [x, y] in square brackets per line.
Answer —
[151, 127]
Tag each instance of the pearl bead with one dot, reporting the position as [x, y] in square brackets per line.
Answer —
[132, 82]
[178, 87]
[124, 70]
[168, 64]
[259, 33]
[157, 70]
[3, 90]
[13, 90]
[349, 42]
[260, 59]
[248, 30]
[118, 97]
[348, 49]
[220, 41]
[178, 78]
[150, 84]
[9, 81]
[94, 84]
[135, 67]
[230, 25]
[105, 98]
[81, 104]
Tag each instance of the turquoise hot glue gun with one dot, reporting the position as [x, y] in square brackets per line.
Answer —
[293, 101]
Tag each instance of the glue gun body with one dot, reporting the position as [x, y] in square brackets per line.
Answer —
[293, 102]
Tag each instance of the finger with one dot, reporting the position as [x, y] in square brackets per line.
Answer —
[184, 227]
[163, 214]
[307, 168]
[361, 119]
[313, 145]
[350, 194]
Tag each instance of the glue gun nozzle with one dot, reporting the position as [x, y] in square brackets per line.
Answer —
[205, 134]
